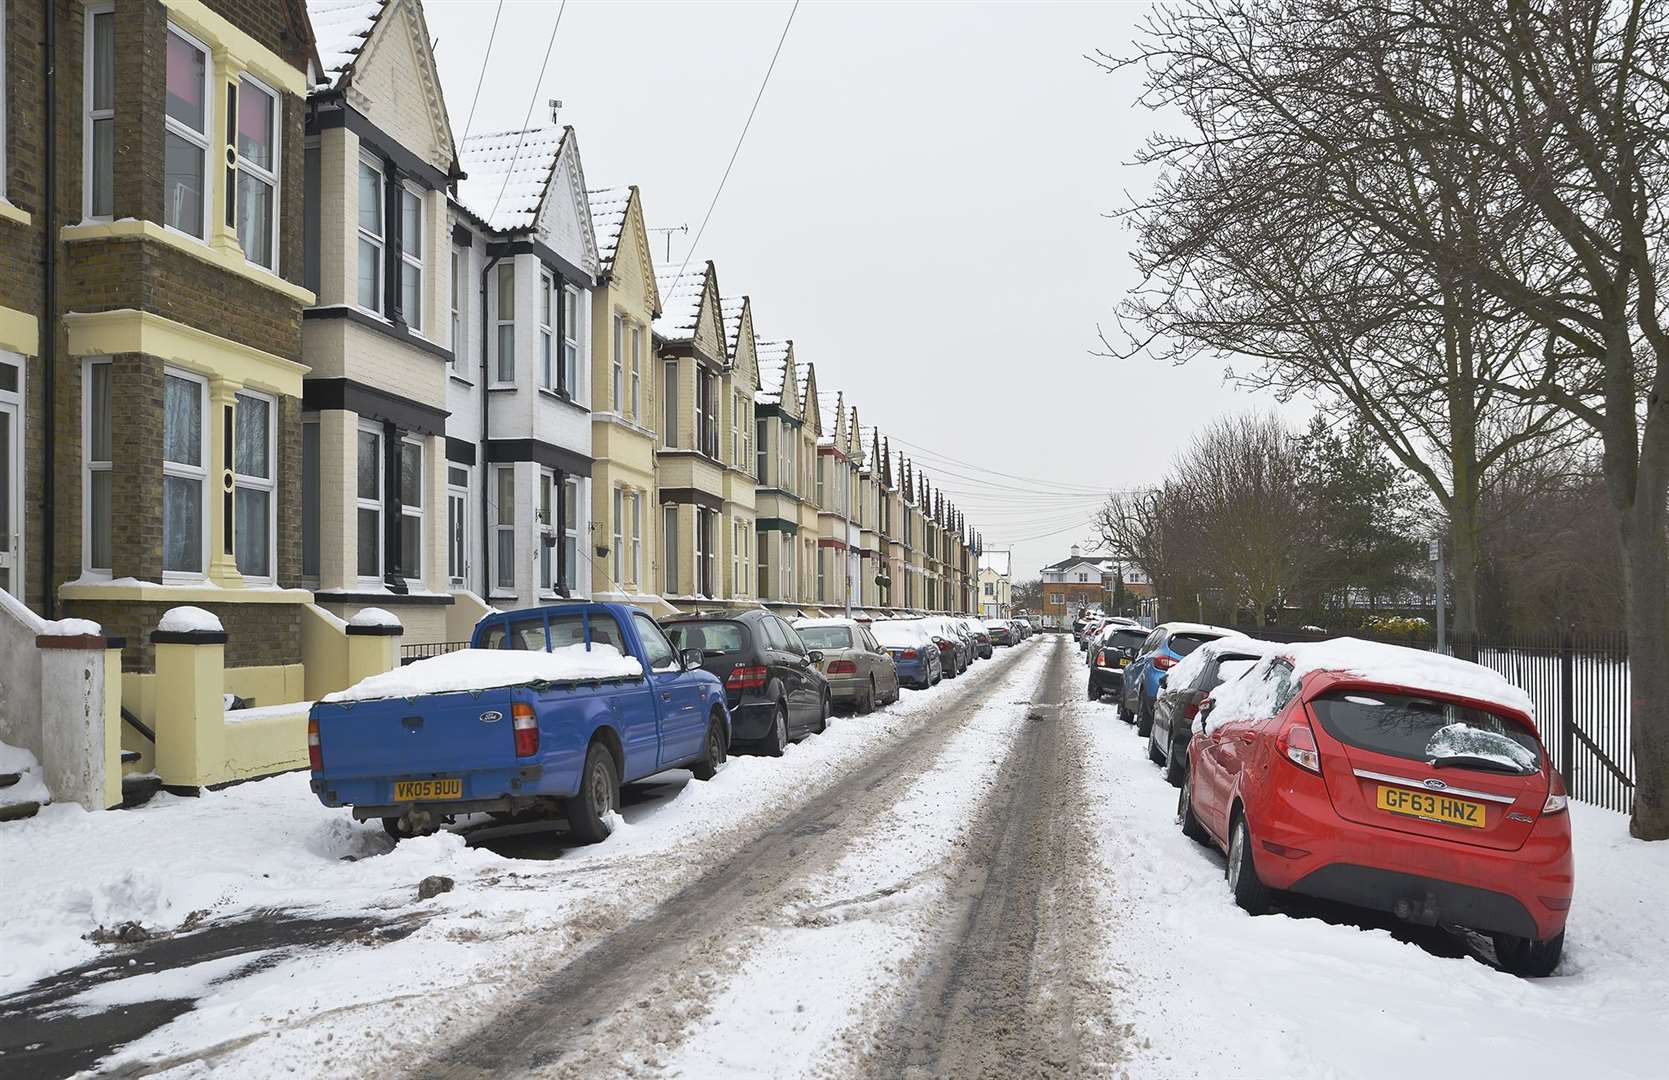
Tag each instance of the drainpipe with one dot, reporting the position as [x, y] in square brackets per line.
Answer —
[481, 383]
[49, 320]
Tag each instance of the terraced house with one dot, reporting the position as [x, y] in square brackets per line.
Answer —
[787, 426]
[839, 572]
[625, 494]
[521, 439]
[379, 162]
[741, 382]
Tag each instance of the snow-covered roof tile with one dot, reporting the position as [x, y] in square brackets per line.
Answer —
[340, 28]
[731, 308]
[508, 172]
[608, 220]
[681, 300]
[773, 367]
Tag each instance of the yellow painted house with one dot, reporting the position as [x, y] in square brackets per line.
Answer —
[625, 495]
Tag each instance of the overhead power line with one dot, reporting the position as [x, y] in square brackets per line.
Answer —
[481, 78]
[522, 135]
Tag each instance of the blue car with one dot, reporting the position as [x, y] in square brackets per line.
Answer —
[549, 711]
[913, 650]
[1166, 644]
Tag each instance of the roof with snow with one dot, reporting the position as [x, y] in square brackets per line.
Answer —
[731, 308]
[340, 28]
[681, 300]
[608, 220]
[773, 365]
[508, 172]
[834, 434]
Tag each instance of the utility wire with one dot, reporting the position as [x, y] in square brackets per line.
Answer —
[696, 243]
[928, 453]
[522, 135]
[486, 56]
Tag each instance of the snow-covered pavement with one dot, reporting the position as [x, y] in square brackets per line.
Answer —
[1212, 992]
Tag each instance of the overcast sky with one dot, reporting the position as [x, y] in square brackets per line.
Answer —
[920, 205]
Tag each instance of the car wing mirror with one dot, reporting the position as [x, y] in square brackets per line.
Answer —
[815, 656]
[692, 659]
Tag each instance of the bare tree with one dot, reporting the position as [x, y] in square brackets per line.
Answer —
[1515, 155]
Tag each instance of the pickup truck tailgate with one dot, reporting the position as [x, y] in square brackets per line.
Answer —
[450, 733]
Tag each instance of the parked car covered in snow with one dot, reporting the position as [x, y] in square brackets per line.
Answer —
[1002, 632]
[1110, 656]
[1165, 646]
[859, 670]
[976, 629]
[772, 684]
[550, 708]
[1184, 687]
[1392, 779]
[913, 650]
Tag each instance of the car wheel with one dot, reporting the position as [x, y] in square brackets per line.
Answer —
[866, 701]
[708, 766]
[1249, 890]
[1175, 763]
[776, 740]
[1144, 717]
[1123, 713]
[1153, 753]
[1094, 694]
[1527, 957]
[1191, 827]
[599, 797]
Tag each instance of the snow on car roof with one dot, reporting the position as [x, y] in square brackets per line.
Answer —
[838, 620]
[1399, 665]
[1184, 672]
[1199, 628]
[485, 669]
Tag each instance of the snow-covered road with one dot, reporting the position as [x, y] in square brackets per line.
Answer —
[985, 880]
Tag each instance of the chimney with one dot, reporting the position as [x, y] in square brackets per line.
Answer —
[1076, 551]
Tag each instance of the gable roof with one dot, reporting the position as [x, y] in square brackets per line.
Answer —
[810, 413]
[832, 403]
[732, 308]
[508, 174]
[340, 28]
[608, 220]
[773, 366]
[681, 297]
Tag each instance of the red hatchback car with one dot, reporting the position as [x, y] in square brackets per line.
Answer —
[1389, 779]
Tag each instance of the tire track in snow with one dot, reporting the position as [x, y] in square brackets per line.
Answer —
[620, 1006]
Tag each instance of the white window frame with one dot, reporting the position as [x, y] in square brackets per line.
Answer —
[378, 504]
[406, 511]
[378, 240]
[637, 372]
[460, 263]
[547, 334]
[89, 115]
[670, 379]
[736, 428]
[201, 139]
[669, 548]
[762, 452]
[501, 321]
[504, 521]
[618, 510]
[637, 539]
[270, 177]
[785, 572]
[746, 425]
[546, 527]
[617, 366]
[571, 342]
[457, 547]
[417, 263]
[268, 484]
[570, 539]
[90, 466]
[199, 473]
[736, 558]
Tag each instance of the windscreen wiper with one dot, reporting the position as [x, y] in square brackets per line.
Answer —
[1469, 761]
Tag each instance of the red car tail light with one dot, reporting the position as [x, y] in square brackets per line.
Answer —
[1101, 658]
[744, 677]
[1192, 709]
[1297, 742]
[1557, 800]
[842, 667]
[526, 727]
[315, 753]
[908, 654]
[1164, 662]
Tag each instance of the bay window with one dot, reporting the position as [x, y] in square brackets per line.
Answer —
[97, 440]
[570, 532]
[370, 236]
[787, 568]
[669, 548]
[185, 141]
[411, 509]
[255, 484]
[184, 473]
[546, 538]
[637, 538]
[736, 569]
[669, 405]
[99, 129]
[411, 257]
[368, 502]
[619, 545]
[504, 529]
[546, 372]
[617, 367]
[762, 451]
[257, 218]
[570, 341]
[505, 371]
[637, 371]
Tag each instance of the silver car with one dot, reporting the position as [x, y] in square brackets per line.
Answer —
[860, 672]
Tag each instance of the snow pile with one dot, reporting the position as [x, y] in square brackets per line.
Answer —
[376, 616]
[71, 628]
[189, 620]
[30, 788]
[483, 669]
[1464, 740]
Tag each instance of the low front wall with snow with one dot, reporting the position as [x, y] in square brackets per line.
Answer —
[82, 736]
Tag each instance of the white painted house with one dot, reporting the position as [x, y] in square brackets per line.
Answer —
[519, 440]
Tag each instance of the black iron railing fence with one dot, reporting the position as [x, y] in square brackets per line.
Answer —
[408, 653]
[1579, 683]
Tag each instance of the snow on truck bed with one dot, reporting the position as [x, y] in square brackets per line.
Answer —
[485, 669]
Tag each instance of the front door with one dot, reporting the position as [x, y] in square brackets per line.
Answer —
[11, 474]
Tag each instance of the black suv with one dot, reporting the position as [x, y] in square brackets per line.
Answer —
[1109, 656]
[774, 690]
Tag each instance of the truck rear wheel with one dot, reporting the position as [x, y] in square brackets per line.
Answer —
[708, 766]
[599, 797]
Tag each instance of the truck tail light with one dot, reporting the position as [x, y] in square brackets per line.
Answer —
[526, 727]
[315, 755]
[743, 677]
[842, 667]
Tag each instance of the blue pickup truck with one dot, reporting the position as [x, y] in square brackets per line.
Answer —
[549, 710]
